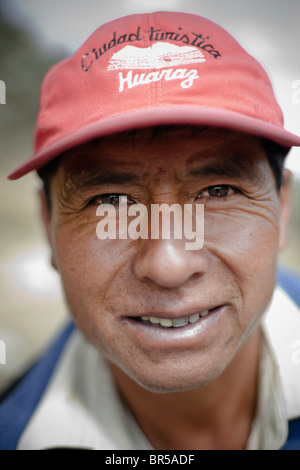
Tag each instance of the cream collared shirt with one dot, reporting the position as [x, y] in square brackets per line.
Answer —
[81, 408]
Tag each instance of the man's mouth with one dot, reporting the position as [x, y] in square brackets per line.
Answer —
[173, 322]
[174, 329]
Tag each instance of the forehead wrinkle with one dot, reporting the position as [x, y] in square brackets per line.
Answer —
[89, 178]
[231, 166]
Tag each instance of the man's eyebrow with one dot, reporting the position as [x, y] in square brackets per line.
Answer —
[89, 178]
[230, 167]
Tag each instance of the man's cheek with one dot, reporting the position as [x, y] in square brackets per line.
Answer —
[87, 265]
[241, 238]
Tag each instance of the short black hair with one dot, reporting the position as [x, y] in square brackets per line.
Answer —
[276, 157]
[275, 154]
[46, 173]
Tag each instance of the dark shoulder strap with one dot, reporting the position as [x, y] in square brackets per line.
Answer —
[293, 442]
[18, 406]
[290, 283]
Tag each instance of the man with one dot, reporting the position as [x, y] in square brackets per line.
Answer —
[174, 347]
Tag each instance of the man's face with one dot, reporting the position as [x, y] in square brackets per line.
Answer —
[111, 284]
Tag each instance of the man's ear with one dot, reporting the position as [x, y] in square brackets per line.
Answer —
[285, 194]
[46, 217]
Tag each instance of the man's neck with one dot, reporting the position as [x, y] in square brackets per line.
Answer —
[216, 416]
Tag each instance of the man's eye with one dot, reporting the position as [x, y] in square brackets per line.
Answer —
[218, 191]
[114, 200]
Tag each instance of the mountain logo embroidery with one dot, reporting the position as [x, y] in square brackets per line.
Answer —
[160, 59]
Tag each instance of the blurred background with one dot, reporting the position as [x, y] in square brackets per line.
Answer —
[35, 34]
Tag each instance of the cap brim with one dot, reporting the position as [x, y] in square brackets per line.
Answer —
[149, 117]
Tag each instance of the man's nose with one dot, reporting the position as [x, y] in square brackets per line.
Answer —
[168, 263]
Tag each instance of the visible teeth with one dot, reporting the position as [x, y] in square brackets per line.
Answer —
[194, 318]
[203, 314]
[154, 320]
[166, 322]
[176, 322]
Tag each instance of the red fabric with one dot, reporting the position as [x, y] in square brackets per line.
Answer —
[151, 69]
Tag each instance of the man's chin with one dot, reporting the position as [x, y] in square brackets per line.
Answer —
[162, 380]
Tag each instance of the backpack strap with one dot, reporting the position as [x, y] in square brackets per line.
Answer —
[17, 408]
[290, 283]
[293, 442]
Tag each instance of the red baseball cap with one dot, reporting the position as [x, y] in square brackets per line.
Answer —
[145, 70]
